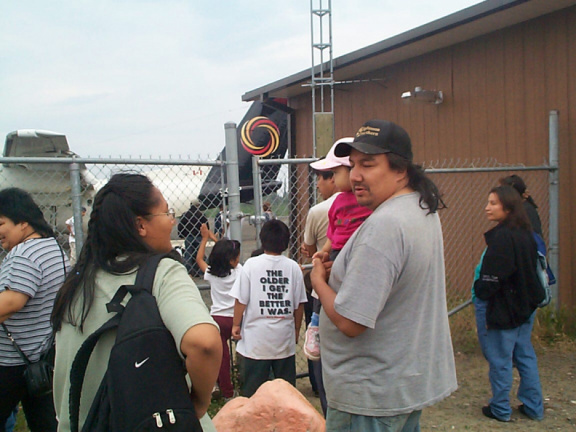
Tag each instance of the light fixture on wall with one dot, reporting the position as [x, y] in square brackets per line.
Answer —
[425, 96]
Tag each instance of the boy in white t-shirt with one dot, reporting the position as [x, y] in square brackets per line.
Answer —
[270, 297]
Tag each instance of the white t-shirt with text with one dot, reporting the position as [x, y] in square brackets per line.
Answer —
[272, 288]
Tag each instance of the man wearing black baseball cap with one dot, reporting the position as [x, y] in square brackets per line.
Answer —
[384, 333]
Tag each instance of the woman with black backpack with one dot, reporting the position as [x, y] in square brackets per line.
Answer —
[130, 223]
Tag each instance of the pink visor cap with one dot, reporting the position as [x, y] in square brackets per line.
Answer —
[331, 161]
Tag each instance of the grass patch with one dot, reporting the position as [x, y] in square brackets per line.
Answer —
[555, 326]
[215, 406]
[21, 425]
[463, 328]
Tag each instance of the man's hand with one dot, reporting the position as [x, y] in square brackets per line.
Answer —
[322, 256]
[320, 271]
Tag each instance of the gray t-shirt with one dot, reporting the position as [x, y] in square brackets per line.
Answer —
[390, 278]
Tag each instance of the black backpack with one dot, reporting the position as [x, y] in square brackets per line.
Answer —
[144, 387]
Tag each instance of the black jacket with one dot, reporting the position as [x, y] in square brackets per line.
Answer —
[189, 225]
[508, 278]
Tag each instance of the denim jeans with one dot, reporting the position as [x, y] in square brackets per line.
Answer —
[339, 421]
[505, 349]
[11, 422]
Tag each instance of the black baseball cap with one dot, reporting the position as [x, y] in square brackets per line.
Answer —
[378, 137]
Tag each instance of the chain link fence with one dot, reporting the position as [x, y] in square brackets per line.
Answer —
[51, 186]
[464, 189]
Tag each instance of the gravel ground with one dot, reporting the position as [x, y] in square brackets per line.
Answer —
[461, 411]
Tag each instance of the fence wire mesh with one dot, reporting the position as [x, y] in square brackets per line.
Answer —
[463, 221]
[50, 186]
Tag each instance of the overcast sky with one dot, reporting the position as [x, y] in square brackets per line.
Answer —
[161, 77]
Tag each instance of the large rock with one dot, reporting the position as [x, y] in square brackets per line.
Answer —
[276, 406]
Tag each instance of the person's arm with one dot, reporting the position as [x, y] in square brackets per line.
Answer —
[70, 229]
[213, 236]
[202, 248]
[202, 347]
[327, 248]
[327, 297]
[298, 314]
[10, 303]
[239, 309]
[310, 238]
[308, 250]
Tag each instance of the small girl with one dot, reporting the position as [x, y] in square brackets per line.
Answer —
[344, 218]
[221, 270]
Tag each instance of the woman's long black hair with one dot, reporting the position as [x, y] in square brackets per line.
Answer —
[18, 206]
[112, 234]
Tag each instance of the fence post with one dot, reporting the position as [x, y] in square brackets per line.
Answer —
[223, 197]
[553, 176]
[257, 182]
[77, 206]
[233, 181]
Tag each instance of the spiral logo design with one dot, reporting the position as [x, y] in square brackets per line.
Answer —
[250, 129]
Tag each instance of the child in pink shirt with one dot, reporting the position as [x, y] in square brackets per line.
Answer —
[345, 214]
[344, 218]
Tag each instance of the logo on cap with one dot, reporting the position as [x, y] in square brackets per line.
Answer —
[368, 130]
[248, 136]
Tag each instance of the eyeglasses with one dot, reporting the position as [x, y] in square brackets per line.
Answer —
[171, 213]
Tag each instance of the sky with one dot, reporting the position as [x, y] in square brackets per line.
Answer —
[160, 78]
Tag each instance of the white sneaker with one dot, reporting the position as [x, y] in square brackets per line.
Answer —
[312, 343]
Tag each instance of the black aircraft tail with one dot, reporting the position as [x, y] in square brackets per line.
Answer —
[262, 132]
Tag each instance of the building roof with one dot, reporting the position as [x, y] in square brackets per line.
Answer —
[469, 23]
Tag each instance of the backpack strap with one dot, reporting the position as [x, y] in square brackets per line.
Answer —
[147, 272]
[78, 370]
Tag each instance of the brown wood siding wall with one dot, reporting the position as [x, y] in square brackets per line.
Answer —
[498, 91]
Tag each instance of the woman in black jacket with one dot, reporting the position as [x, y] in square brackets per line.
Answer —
[507, 294]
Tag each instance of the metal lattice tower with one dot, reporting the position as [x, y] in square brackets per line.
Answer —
[322, 75]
